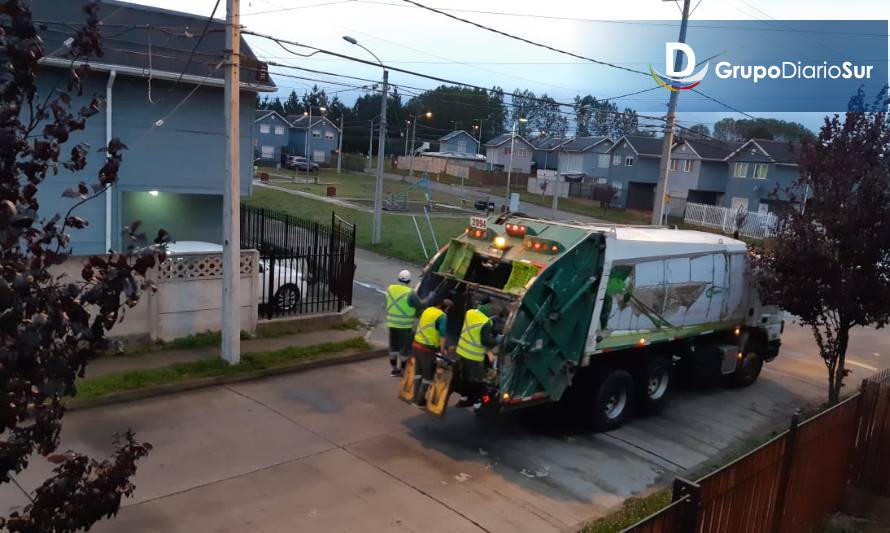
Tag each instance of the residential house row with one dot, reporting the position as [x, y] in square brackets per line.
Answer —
[734, 175]
[275, 137]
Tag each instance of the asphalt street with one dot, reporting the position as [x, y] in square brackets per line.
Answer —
[333, 449]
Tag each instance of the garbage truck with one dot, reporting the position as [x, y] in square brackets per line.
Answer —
[606, 317]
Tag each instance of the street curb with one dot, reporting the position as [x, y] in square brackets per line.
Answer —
[79, 404]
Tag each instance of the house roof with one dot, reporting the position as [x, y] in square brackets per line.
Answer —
[302, 121]
[580, 144]
[709, 149]
[454, 134]
[504, 137]
[781, 152]
[155, 41]
[643, 145]
[548, 144]
[260, 114]
[456, 155]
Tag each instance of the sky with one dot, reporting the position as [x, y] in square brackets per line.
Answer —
[406, 36]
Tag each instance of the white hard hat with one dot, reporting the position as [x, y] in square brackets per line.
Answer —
[405, 276]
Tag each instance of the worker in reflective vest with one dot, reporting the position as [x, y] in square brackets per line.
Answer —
[477, 337]
[429, 339]
[401, 314]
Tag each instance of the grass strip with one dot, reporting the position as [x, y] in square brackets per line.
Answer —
[206, 368]
[632, 511]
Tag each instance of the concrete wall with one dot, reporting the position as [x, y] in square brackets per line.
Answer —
[275, 140]
[182, 155]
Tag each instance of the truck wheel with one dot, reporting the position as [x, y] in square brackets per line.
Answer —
[655, 384]
[749, 371]
[613, 400]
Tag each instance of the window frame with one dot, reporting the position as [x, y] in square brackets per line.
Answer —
[675, 164]
[757, 167]
[616, 160]
[316, 134]
[271, 150]
[629, 161]
[265, 129]
[280, 130]
[739, 165]
[599, 162]
[688, 165]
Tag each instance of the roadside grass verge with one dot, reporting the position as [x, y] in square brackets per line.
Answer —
[398, 235]
[207, 368]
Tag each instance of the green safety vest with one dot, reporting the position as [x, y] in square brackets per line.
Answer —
[470, 344]
[399, 311]
[427, 332]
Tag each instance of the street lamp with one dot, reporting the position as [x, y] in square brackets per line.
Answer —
[512, 143]
[428, 114]
[478, 130]
[308, 128]
[378, 186]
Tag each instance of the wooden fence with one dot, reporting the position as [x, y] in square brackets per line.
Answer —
[795, 480]
[498, 177]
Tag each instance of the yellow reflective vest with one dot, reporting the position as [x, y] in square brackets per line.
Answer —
[399, 312]
[427, 332]
[470, 344]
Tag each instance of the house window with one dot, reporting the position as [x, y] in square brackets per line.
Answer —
[507, 150]
[268, 152]
[318, 156]
[687, 165]
[739, 170]
[316, 134]
[522, 152]
[462, 146]
[328, 135]
[760, 170]
[279, 130]
[602, 181]
[603, 161]
[629, 161]
[616, 185]
[616, 160]
[675, 164]
[264, 128]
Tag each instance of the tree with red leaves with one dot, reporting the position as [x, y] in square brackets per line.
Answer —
[51, 326]
[829, 263]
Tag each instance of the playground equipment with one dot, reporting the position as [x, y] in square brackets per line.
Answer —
[398, 201]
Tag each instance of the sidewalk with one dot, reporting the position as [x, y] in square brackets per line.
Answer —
[115, 364]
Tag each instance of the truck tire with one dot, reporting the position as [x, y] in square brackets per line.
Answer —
[612, 400]
[749, 371]
[655, 384]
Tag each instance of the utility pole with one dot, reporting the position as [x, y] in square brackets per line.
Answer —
[413, 149]
[231, 302]
[340, 145]
[661, 188]
[381, 149]
[371, 145]
[554, 207]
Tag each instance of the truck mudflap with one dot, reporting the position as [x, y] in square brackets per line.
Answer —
[440, 390]
[406, 386]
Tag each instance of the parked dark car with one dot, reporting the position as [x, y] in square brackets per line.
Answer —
[484, 205]
[296, 162]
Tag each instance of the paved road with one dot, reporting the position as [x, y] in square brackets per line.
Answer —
[334, 450]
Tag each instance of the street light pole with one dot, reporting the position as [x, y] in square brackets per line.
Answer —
[428, 114]
[340, 144]
[231, 302]
[512, 145]
[661, 188]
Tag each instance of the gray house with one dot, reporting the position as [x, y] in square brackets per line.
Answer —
[634, 171]
[173, 171]
[459, 142]
[546, 151]
[758, 168]
[697, 173]
[323, 138]
[497, 152]
[271, 135]
[587, 157]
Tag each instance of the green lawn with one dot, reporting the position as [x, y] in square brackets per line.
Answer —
[205, 368]
[399, 238]
[578, 206]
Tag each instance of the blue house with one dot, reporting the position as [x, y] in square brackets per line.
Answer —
[173, 171]
[271, 136]
[697, 173]
[586, 157]
[323, 138]
[758, 168]
[459, 142]
[545, 155]
[634, 171]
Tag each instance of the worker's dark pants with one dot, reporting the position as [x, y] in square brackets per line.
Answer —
[425, 370]
[399, 346]
[472, 377]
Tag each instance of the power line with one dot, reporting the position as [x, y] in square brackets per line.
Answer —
[197, 44]
[294, 8]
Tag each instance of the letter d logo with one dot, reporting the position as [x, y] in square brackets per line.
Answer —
[683, 48]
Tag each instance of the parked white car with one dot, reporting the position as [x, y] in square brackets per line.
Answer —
[288, 284]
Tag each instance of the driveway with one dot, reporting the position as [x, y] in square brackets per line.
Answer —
[334, 450]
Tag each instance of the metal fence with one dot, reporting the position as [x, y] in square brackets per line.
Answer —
[305, 267]
[748, 224]
[795, 480]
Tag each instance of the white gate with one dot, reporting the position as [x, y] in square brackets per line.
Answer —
[753, 225]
